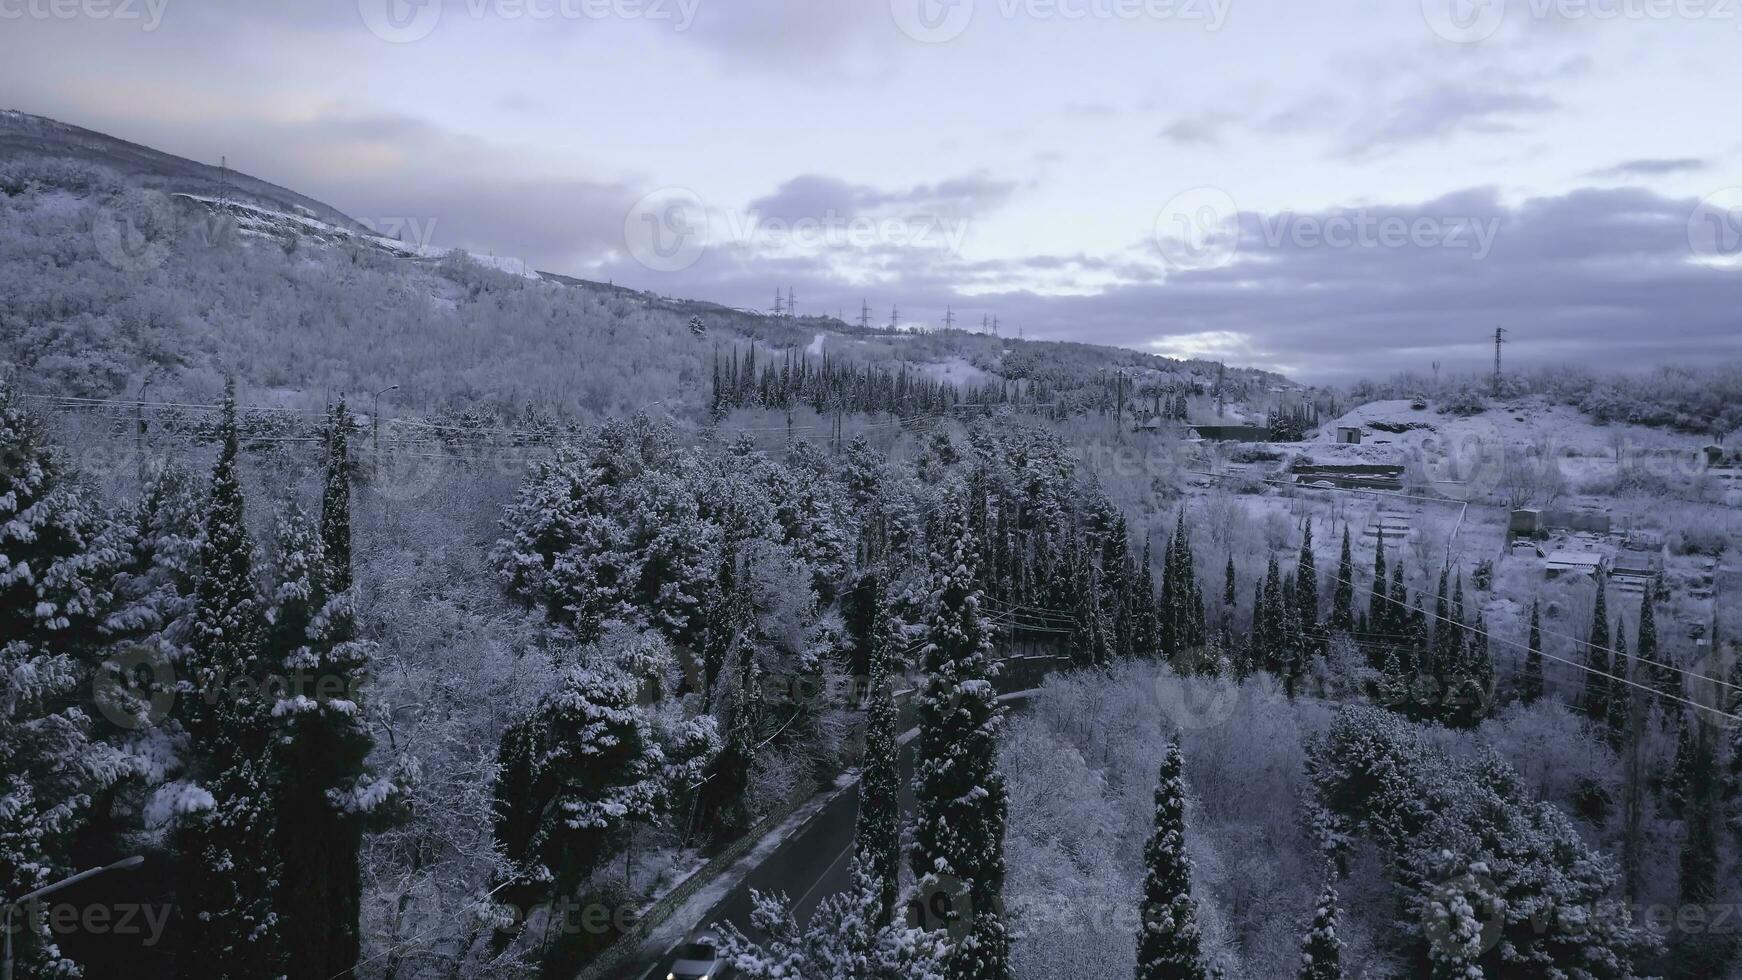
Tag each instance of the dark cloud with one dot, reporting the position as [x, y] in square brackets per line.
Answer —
[1443, 111]
[1652, 167]
[1201, 130]
[1596, 276]
[818, 197]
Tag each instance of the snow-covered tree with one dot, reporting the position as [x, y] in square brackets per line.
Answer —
[588, 761]
[1168, 941]
[958, 829]
[54, 570]
[1343, 596]
[327, 792]
[877, 838]
[1321, 956]
[1597, 684]
[1530, 679]
[226, 840]
[844, 940]
[1498, 883]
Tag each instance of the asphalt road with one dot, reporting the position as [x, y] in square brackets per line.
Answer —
[808, 867]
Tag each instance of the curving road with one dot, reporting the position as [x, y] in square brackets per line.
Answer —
[808, 866]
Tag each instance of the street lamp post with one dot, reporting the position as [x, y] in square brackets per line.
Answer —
[375, 421]
[125, 864]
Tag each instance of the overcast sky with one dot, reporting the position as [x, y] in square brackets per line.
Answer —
[1329, 189]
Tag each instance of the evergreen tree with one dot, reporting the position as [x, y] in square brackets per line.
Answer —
[1146, 633]
[227, 842]
[1275, 619]
[1229, 597]
[959, 794]
[1306, 583]
[1343, 596]
[1621, 699]
[1597, 686]
[1675, 786]
[1654, 672]
[323, 748]
[54, 565]
[1379, 615]
[1168, 942]
[1530, 680]
[587, 761]
[877, 838]
[1447, 653]
[1322, 954]
[1700, 856]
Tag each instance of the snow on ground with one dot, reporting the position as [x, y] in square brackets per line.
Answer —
[955, 369]
[1519, 422]
[816, 347]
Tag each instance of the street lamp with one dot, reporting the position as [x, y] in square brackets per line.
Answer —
[125, 864]
[375, 420]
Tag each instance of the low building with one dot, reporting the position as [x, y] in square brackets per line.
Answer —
[1526, 522]
[1349, 435]
[1587, 563]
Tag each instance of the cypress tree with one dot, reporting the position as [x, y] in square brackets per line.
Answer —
[1675, 787]
[1597, 687]
[959, 794]
[1343, 596]
[877, 838]
[1379, 615]
[1275, 619]
[1168, 943]
[1621, 699]
[1700, 854]
[1654, 672]
[1229, 596]
[323, 747]
[227, 865]
[1306, 583]
[1321, 955]
[1530, 680]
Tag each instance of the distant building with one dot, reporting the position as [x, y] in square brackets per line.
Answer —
[1587, 563]
[1232, 433]
[1349, 434]
[1526, 522]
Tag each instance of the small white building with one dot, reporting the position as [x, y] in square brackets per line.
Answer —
[1587, 563]
[1349, 434]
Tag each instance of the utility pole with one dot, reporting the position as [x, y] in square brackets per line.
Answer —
[791, 302]
[1499, 339]
[779, 300]
[894, 318]
[949, 318]
[864, 314]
